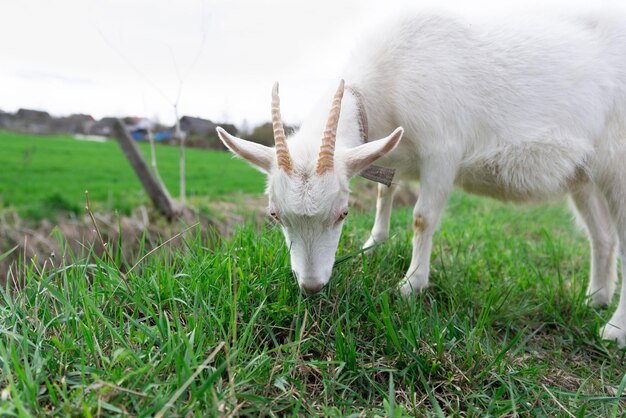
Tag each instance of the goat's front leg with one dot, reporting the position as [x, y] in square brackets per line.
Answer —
[384, 204]
[436, 182]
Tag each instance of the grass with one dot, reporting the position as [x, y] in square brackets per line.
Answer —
[43, 175]
[503, 331]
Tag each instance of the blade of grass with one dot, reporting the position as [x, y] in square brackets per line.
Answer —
[195, 374]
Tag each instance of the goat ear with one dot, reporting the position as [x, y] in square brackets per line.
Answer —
[359, 158]
[258, 155]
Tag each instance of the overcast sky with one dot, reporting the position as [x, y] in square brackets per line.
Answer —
[133, 57]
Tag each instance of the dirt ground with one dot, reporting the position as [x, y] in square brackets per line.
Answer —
[70, 239]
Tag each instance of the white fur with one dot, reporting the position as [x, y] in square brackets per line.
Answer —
[521, 110]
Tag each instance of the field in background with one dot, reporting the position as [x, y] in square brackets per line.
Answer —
[503, 331]
[42, 175]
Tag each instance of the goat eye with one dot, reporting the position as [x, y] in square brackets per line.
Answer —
[275, 216]
[342, 216]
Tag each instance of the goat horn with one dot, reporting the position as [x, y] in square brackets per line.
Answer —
[282, 150]
[325, 161]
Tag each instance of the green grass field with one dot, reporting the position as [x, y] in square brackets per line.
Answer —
[503, 331]
[41, 176]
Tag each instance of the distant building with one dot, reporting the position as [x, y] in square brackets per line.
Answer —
[200, 133]
[191, 125]
[102, 127]
[164, 135]
[40, 122]
[5, 120]
[138, 127]
[33, 121]
[30, 115]
[75, 124]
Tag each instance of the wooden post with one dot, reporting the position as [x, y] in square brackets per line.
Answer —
[156, 190]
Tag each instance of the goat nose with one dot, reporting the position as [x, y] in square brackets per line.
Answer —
[311, 289]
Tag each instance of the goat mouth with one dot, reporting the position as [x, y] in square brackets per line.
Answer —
[311, 290]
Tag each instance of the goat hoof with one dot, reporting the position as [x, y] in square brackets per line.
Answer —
[409, 287]
[599, 298]
[613, 333]
[371, 244]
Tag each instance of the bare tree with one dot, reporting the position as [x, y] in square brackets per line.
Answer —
[153, 160]
[155, 177]
[181, 139]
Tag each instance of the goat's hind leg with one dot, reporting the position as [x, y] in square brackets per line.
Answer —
[593, 210]
[615, 192]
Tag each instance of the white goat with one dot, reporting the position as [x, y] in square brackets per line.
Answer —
[521, 112]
